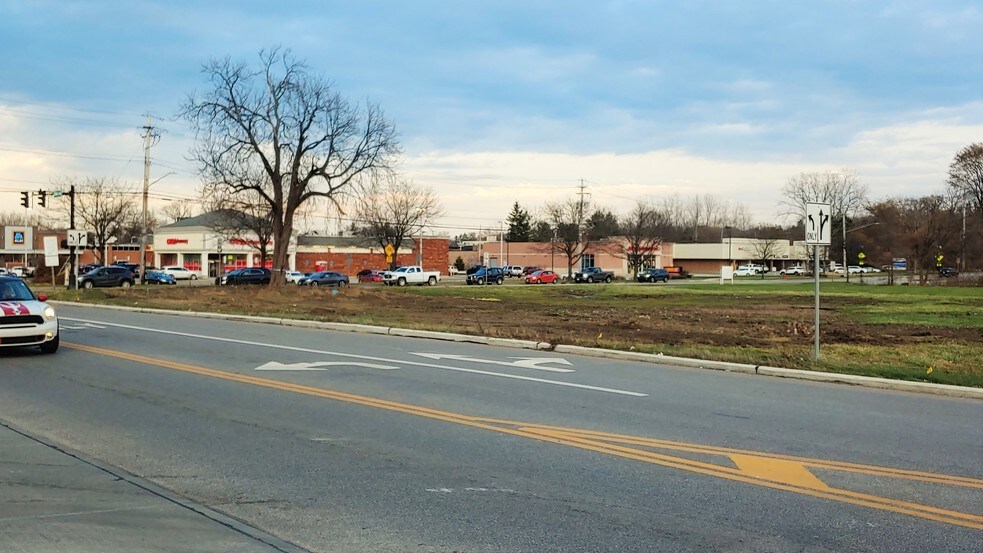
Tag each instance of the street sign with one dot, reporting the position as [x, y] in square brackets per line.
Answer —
[900, 263]
[818, 226]
[77, 238]
[390, 249]
[50, 251]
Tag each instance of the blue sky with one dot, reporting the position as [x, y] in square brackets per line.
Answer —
[516, 101]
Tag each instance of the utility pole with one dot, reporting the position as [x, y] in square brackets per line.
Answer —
[846, 272]
[149, 137]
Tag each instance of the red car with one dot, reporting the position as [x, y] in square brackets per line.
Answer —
[368, 275]
[542, 277]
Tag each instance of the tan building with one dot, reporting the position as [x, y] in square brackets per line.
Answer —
[707, 258]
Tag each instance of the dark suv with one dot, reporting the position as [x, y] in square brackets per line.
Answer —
[653, 275]
[487, 275]
[114, 275]
[253, 275]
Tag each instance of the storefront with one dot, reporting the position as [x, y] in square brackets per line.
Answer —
[195, 245]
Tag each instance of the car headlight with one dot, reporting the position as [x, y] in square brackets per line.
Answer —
[49, 312]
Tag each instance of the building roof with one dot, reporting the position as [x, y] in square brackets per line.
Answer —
[212, 219]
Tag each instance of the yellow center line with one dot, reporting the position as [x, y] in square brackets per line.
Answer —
[759, 468]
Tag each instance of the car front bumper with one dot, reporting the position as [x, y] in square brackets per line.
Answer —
[28, 334]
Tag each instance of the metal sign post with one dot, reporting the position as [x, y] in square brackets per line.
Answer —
[818, 233]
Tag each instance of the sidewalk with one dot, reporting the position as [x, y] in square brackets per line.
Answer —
[53, 501]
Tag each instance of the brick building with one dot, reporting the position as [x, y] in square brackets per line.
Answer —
[603, 254]
[349, 255]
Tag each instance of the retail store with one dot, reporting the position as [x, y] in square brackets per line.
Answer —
[195, 245]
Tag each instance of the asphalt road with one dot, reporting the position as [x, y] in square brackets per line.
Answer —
[359, 442]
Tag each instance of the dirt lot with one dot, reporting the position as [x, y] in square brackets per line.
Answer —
[758, 328]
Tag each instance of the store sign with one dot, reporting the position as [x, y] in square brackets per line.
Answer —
[18, 238]
[173, 241]
[244, 242]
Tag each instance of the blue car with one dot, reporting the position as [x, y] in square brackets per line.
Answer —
[158, 277]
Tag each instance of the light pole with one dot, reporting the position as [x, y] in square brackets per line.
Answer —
[846, 270]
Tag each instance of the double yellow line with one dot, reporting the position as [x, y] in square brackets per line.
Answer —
[772, 470]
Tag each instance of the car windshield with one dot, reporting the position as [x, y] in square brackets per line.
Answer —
[15, 290]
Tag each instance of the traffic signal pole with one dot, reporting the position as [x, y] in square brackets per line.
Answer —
[73, 267]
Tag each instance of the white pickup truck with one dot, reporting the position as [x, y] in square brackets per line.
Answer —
[411, 274]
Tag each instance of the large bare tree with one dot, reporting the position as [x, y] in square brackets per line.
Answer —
[103, 207]
[391, 209]
[180, 209]
[966, 174]
[286, 135]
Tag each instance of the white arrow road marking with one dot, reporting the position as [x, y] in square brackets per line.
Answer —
[369, 358]
[318, 366]
[524, 362]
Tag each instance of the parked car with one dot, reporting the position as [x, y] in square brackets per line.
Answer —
[25, 319]
[159, 277]
[292, 277]
[530, 269]
[745, 271]
[869, 269]
[252, 275]
[179, 273]
[653, 275]
[133, 267]
[542, 277]
[946, 272]
[113, 275]
[593, 274]
[487, 275]
[328, 278]
[854, 270]
[369, 275]
[793, 270]
[513, 271]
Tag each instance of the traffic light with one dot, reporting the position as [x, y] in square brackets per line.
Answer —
[41, 197]
[25, 199]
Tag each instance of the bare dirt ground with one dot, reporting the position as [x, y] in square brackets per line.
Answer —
[757, 322]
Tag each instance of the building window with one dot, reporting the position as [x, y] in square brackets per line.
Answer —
[586, 260]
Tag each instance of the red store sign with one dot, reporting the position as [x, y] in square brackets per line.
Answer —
[172, 241]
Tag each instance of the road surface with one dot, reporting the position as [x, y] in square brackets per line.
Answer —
[338, 441]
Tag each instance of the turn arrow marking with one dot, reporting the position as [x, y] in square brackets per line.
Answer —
[523, 362]
[318, 366]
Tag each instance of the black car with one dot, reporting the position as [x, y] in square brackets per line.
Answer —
[653, 275]
[946, 272]
[327, 278]
[113, 275]
[252, 275]
[487, 275]
[133, 267]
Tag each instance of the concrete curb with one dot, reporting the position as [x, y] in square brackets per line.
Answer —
[762, 370]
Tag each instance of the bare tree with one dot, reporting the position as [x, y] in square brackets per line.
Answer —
[764, 250]
[102, 207]
[243, 218]
[841, 189]
[286, 135]
[568, 219]
[392, 209]
[966, 174]
[642, 230]
[181, 209]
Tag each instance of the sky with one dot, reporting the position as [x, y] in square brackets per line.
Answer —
[508, 101]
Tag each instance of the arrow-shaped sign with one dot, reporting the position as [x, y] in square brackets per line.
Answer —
[524, 362]
[319, 366]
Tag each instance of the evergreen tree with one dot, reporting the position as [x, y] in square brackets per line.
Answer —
[520, 225]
